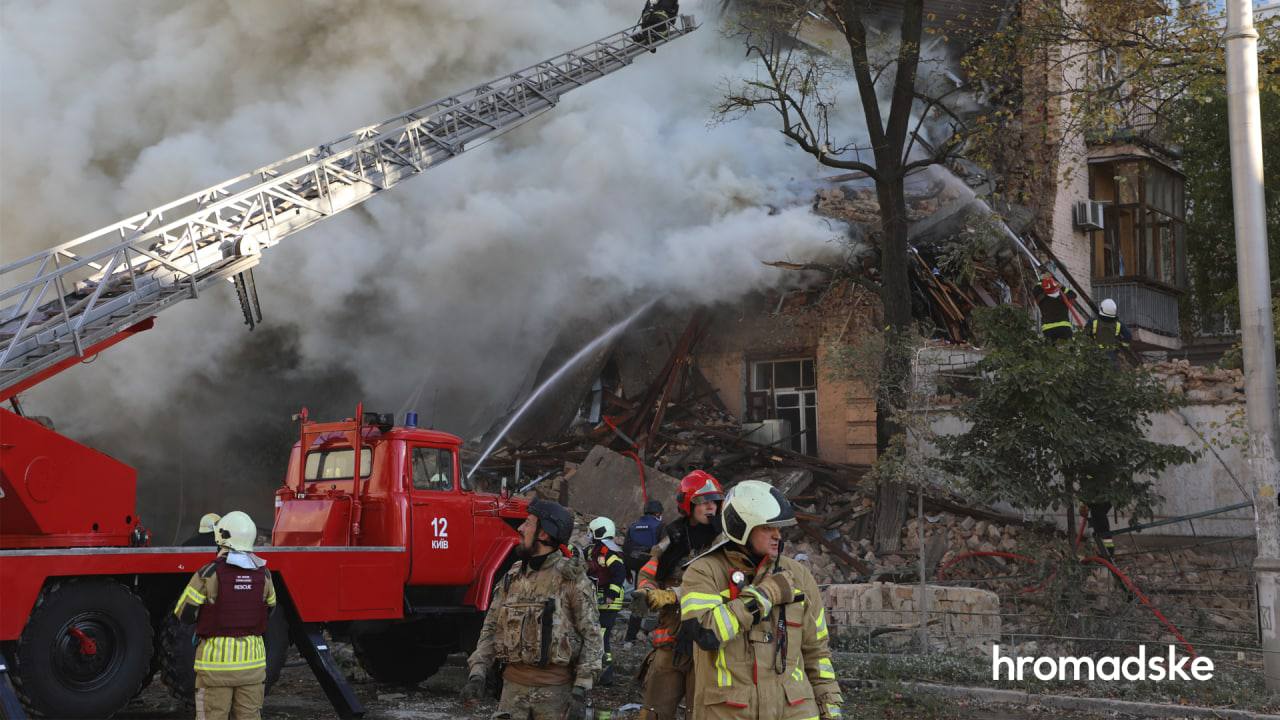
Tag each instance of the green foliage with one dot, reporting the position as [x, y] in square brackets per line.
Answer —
[1053, 423]
[1200, 126]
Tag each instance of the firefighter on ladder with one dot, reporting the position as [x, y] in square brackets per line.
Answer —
[542, 624]
[606, 567]
[767, 653]
[229, 600]
[664, 673]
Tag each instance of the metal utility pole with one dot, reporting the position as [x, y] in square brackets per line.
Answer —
[1255, 319]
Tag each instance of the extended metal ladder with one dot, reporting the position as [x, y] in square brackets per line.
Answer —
[73, 299]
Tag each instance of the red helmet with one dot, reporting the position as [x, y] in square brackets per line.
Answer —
[698, 485]
[1049, 284]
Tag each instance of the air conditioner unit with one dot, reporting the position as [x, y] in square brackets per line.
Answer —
[1087, 215]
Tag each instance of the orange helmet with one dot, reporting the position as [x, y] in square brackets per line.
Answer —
[698, 486]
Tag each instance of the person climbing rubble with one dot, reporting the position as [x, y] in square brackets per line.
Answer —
[665, 671]
[1111, 334]
[229, 600]
[1055, 309]
[543, 624]
[762, 649]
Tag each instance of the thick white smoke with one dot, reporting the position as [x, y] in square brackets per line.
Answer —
[455, 283]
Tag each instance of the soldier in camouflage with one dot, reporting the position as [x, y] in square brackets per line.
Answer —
[542, 624]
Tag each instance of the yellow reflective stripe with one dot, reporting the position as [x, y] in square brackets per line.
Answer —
[191, 595]
[616, 587]
[797, 674]
[727, 625]
[226, 654]
[821, 623]
[825, 671]
[695, 602]
[1052, 325]
[723, 678]
[612, 559]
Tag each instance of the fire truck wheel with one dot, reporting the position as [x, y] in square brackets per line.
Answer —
[178, 654]
[85, 651]
[397, 657]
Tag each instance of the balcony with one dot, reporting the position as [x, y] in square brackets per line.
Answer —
[1149, 309]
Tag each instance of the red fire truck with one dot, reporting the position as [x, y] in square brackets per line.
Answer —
[378, 535]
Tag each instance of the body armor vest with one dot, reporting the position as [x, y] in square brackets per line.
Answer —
[240, 608]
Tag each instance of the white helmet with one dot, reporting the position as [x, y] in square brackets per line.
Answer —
[1108, 308]
[236, 531]
[602, 527]
[750, 504]
[208, 521]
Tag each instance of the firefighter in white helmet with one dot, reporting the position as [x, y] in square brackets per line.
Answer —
[763, 650]
[204, 532]
[229, 600]
[606, 567]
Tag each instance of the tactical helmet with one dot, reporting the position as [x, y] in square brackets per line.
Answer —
[698, 487]
[236, 530]
[208, 521]
[653, 507]
[602, 527]
[553, 519]
[1108, 308]
[750, 504]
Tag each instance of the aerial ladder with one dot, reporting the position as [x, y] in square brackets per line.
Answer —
[72, 301]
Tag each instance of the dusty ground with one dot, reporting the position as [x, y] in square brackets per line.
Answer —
[298, 697]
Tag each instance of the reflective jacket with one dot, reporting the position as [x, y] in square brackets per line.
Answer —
[607, 570]
[665, 568]
[1109, 332]
[752, 675]
[230, 651]
[543, 617]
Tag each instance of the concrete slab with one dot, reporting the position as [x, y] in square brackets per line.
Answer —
[608, 483]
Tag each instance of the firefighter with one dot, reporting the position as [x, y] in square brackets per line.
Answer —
[204, 532]
[1111, 334]
[664, 672]
[763, 652]
[542, 624]
[229, 600]
[657, 17]
[1055, 309]
[642, 535]
[606, 567]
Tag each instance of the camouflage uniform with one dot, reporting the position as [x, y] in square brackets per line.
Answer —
[544, 626]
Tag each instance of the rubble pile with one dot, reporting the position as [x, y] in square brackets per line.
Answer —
[1198, 383]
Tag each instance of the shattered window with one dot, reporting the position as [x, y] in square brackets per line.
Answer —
[1142, 235]
[784, 390]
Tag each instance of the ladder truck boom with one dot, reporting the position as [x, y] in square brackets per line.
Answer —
[74, 299]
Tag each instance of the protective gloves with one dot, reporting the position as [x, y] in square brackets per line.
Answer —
[661, 598]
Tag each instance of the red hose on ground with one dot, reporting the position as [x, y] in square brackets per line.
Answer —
[1143, 598]
[644, 491]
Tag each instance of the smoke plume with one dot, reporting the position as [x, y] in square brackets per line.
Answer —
[449, 289]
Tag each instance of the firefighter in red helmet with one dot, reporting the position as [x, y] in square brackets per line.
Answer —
[664, 672]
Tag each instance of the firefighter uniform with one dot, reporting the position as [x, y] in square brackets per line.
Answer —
[609, 571]
[758, 671]
[229, 600]
[663, 675]
[544, 626]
